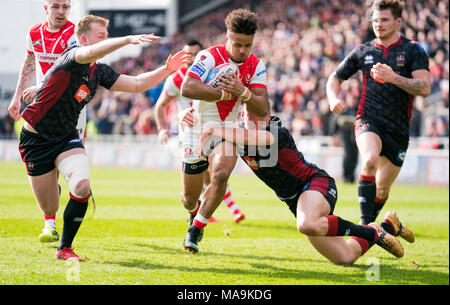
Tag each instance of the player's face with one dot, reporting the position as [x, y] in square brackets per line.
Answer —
[384, 24]
[238, 46]
[57, 12]
[96, 34]
[192, 52]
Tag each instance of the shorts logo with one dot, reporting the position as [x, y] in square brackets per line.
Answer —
[82, 93]
[251, 162]
[401, 155]
[30, 165]
[333, 193]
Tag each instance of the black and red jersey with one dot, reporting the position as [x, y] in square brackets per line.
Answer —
[67, 87]
[281, 166]
[384, 103]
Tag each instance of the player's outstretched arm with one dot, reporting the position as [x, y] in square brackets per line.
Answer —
[333, 88]
[237, 136]
[160, 110]
[26, 76]
[91, 53]
[147, 80]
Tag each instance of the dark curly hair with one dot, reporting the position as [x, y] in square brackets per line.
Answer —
[242, 21]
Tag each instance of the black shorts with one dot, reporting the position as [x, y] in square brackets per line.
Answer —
[39, 154]
[323, 184]
[393, 145]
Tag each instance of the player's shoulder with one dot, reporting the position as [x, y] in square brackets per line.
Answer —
[413, 45]
[35, 28]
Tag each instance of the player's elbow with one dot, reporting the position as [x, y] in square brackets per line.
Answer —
[187, 90]
[426, 91]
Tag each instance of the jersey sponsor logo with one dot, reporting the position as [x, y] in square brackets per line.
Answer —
[37, 43]
[187, 152]
[368, 59]
[251, 162]
[82, 93]
[48, 58]
[197, 69]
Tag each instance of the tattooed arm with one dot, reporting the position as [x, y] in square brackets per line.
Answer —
[26, 76]
[419, 84]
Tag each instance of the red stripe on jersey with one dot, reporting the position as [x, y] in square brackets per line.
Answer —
[50, 93]
[220, 54]
[362, 100]
[386, 50]
[410, 106]
[291, 162]
[225, 107]
[194, 75]
[178, 77]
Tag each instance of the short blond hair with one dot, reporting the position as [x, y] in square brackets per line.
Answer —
[84, 25]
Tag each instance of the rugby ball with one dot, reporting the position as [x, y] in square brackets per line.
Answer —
[213, 78]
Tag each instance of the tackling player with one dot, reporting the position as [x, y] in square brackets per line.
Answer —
[309, 192]
[219, 106]
[49, 140]
[45, 43]
[394, 70]
[171, 91]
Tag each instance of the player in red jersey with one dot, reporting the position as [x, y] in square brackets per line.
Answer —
[45, 43]
[219, 106]
[49, 141]
[171, 91]
[395, 69]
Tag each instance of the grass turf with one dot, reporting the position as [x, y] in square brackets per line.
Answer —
[136, 235]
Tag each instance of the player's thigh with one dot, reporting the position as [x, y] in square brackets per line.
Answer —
[45, 190]
[311, 206]
[222, 160]
[386, 173]
[369, 144]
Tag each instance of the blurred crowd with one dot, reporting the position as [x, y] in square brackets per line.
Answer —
[300, 42]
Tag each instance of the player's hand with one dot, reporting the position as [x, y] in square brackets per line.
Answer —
[382, 73]
[14, 109]
[175, 62]
[29, 94]
[205, 135]
[143, 39]
[163, 136]
[337, 106]
[187, 117]
[232, 84]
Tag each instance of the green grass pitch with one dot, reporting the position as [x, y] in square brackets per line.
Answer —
[136, 235]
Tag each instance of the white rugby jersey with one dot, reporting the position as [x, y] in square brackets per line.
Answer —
[252, 73]
[172, 88]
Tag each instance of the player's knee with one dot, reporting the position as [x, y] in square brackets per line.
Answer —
[343, 260]
[307, 227]
[82, 189]
[369, 163]
[188, 200]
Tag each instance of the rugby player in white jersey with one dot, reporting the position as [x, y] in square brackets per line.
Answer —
[45, 42]
[219, 106]
[171, 92]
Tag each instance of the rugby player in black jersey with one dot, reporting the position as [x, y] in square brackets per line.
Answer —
[310, 193]
[394, 70]
[49, 140]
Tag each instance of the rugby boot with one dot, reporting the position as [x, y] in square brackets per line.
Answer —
[238, 216]
[192, 238]
[49, 235]
[399, 228]
[387, 241]
[67, 254]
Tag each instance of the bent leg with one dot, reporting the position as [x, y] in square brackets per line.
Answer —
[337, 249]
